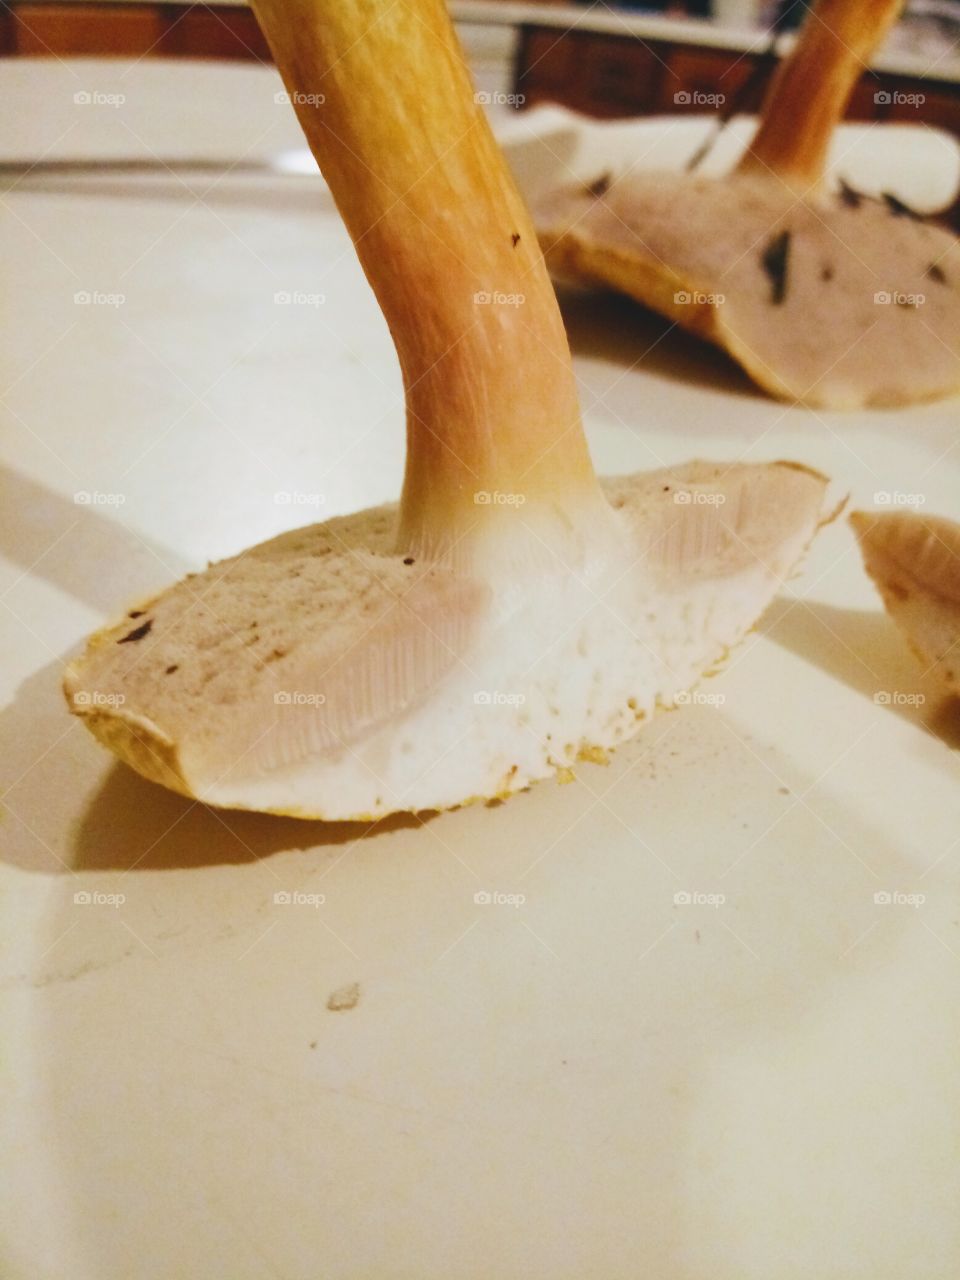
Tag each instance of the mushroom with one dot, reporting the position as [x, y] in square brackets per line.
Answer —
[915, 562]
[828, 298]
[513, 612]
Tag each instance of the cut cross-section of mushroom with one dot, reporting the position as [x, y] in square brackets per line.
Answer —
[914, 561]
[830, 299]
[513, 612]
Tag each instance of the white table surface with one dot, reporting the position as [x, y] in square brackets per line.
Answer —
[600, 1082]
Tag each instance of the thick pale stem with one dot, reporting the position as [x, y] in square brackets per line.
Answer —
[812, 87]
[385, 100]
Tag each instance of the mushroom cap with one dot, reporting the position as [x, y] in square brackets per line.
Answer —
[839, 301]
[915, 562]
[323, 674]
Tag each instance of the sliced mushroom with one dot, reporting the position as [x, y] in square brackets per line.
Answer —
[512, 612]
[915, 562]
[830, 299]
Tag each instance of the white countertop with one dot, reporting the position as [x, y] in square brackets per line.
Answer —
[603, 1082]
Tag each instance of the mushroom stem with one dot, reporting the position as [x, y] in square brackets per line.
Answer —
[812, 86]
[386, 102]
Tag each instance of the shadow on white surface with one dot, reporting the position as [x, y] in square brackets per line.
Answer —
[604, 1074]
[866, 651]
[71, 808]
[613, 328]
[66, 541]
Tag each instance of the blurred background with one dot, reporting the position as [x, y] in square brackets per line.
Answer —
[603, 59]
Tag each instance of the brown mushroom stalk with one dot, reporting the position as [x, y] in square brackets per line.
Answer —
[513, 614]
[826, 298]
[839, 39]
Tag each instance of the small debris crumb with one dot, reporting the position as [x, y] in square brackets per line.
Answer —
[344, 998]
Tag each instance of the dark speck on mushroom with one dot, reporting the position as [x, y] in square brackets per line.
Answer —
[408, 559]
[936, 272]
[898, 208]
[137, 633]
[848, 196]
[599, 186]
[774, 262]
[174, 666]
[515, 238]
